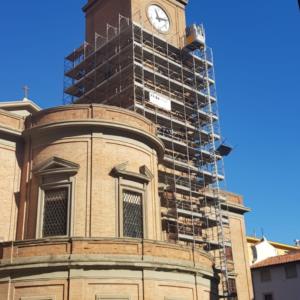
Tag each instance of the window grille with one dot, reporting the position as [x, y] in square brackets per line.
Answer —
[55, 212]
[132, 214]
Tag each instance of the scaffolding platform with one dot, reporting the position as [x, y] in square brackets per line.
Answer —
[175, 88]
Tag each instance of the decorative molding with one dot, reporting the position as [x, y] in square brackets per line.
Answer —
[56, 165]
[145, 175]
[18, 105]
[145, 171]
[9, 131]
[159, 256]
[232, 207]
[121, 167]
[148, 138]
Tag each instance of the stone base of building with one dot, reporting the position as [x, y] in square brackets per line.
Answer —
[120, 269]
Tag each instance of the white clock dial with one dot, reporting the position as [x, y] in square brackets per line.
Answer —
[158, 18]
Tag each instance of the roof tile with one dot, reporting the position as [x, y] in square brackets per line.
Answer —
[278, 260]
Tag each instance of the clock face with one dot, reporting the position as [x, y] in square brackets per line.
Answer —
[158, 18]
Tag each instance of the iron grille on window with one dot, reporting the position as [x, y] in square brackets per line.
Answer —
[55, 212]
[132, 215]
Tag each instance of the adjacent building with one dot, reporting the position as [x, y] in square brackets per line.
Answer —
[274, 269]
[261, 248]
[277, 278]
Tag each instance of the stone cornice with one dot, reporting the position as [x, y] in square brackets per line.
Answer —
[97, 125]
[10, 132]
[25, 104]
[105, 253]
[144, 176]
[11, 124]
[92, 109]
[235, 207]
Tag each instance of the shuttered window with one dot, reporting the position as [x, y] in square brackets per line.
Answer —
[132, 214]
[55, 214]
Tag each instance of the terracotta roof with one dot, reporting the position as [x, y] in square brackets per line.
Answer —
[278, 260]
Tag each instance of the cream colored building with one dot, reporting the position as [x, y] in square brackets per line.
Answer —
[260, 249]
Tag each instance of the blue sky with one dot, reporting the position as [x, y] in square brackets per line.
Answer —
[256, 48]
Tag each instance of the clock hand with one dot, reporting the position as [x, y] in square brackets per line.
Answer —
[157, 15]
[162, 19]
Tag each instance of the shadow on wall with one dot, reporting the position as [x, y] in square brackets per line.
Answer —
[213, 292]
[17, 200]
[254, 251]
[19, 154]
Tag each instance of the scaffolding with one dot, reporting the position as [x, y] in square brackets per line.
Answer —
[134, 68]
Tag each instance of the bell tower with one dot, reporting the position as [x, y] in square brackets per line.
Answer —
[162, 17]
[140, 55]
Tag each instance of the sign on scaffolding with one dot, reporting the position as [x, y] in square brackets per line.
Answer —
[160, 101]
